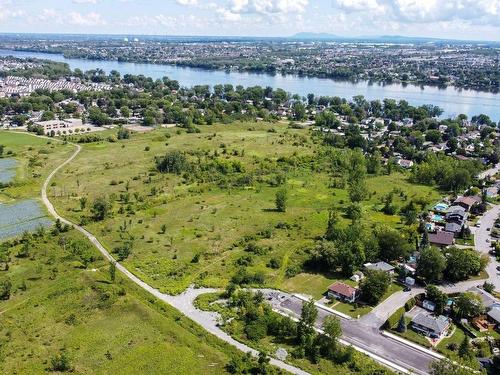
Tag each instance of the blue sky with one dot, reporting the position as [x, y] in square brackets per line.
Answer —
[463, 19]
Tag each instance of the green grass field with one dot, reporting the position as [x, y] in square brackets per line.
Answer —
[206, 222]
[36, 158]
[57, 305]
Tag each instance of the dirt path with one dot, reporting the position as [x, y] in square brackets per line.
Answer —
[182, 302]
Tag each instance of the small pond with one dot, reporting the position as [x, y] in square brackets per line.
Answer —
[19, 217]
[7, 170]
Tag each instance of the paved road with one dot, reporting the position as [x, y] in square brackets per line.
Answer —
[183, 302]
[482, 245]
[490, 172]
[360, 335]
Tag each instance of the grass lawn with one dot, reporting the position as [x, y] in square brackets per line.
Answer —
[351, 309]
[393, 288]
[205, 223]
[35, 157]
[412, 335]
[314, 285]
[483, 275]
[355, 312]
[456, 338]
[466, 241]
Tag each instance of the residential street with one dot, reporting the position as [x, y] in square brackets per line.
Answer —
[480, 238]
[360, 335]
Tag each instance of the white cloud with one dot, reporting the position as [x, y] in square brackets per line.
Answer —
[228, 15]
[6, 11]
[187, 2]
[73, 18]
[88, 19]
[268, 6]
[485, 12]
[85, 1]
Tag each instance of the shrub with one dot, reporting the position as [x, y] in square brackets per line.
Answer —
[410, 304]
[394, 319]
[60, 363]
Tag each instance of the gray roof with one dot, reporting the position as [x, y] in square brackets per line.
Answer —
[494, 313]
[379, 266]
[456, 210]
[432, 323]
[453, 227]
[441, 238]
[488, 299]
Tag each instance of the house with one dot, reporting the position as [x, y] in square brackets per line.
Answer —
[429, 325]
[494, 315]
[456, 214]
[487, 299]
[441, 238]
[453, 228]
[343, 292]
[467, 202]
[403, 163]
[380, 266]
[492, 191]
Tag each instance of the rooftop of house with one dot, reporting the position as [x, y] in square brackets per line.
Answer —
[441, 238]
[342, 289]
[487, 298]
[431, 322]
[468, 201]
[453, 227]
[494, 313]
[456, 210]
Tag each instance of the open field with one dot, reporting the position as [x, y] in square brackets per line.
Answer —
[57, 305]
[187, 230]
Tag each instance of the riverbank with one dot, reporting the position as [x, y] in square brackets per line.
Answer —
[453, 101]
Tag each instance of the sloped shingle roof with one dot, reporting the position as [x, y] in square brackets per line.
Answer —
[432, 323]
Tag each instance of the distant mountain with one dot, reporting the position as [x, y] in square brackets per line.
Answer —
[314, 36]
[396, 39]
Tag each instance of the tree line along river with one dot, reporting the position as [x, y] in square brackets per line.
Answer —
[452, 100]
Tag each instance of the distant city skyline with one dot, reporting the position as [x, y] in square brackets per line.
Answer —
[448, 19]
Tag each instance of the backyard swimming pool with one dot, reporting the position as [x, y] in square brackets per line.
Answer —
[441, 207]
[437, 218]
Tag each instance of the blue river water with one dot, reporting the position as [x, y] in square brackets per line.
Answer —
[452, 100]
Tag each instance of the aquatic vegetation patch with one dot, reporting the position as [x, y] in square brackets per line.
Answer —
[7, 170]
[22, 216]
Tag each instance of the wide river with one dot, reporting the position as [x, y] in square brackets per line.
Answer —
[453, 101]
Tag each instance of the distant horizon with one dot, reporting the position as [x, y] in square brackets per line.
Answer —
[301, 35]
[467, 20]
